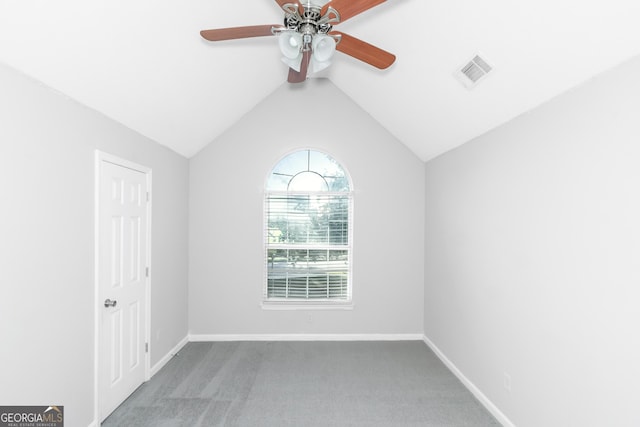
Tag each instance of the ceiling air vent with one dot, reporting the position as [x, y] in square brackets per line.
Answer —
[473, 71]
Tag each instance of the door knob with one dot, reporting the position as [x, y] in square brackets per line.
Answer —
[109, 303]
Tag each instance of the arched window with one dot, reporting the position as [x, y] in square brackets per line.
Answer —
[308, 230]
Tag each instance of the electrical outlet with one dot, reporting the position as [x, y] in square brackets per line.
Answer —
[507, 381]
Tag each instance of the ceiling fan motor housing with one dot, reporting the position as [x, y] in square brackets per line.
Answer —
[311, 21]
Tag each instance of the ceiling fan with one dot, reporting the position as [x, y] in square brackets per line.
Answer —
[307, 39]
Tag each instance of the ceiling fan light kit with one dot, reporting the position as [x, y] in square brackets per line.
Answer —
[307, 40]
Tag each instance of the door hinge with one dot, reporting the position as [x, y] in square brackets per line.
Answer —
[147, 271]
[148, 196]
[146, 347]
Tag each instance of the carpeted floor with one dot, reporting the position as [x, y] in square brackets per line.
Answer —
[303, 384]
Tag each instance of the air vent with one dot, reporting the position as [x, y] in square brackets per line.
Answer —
[473, 71]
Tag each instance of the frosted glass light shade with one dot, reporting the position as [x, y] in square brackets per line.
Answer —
[294, 63]
[316, 66]
[290, 43]
[323, 47]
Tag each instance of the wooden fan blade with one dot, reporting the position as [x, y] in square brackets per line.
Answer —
[364, 51]
[281, 3]
[299, 77]
[350, 8]
[238, 32]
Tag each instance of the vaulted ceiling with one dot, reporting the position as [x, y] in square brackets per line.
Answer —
[144, 64]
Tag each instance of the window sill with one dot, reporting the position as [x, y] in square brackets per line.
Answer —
[289, 305]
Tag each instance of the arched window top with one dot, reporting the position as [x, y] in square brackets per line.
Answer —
[308, 171]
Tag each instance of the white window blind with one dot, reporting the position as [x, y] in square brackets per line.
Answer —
[308, 233]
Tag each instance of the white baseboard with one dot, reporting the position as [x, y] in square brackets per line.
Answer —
[488, 404]
[305, 337]
[168, 356]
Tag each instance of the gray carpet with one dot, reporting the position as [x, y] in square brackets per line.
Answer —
[303, 384]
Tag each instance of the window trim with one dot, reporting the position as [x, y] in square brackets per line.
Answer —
[315, 303]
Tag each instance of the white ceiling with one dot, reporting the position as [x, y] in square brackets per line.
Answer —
[144, 64]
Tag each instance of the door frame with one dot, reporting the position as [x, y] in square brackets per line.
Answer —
[100, 157]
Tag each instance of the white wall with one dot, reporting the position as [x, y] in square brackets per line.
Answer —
[533, 258]
[47, 145]
[226, 218]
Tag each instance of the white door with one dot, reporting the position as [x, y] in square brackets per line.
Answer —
[122, 283]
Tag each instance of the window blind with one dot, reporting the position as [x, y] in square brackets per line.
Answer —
[307, 246]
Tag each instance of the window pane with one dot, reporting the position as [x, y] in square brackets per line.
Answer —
[318, 260]
[318, 286]
[308, 181]
[338, 183]
[337, 285]
[298, 260]
[297, 286]
[277, 287]
[278, 182]
[338, 220]
[338, 261]
[277, 259]
[292, 164]
[324, 164]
